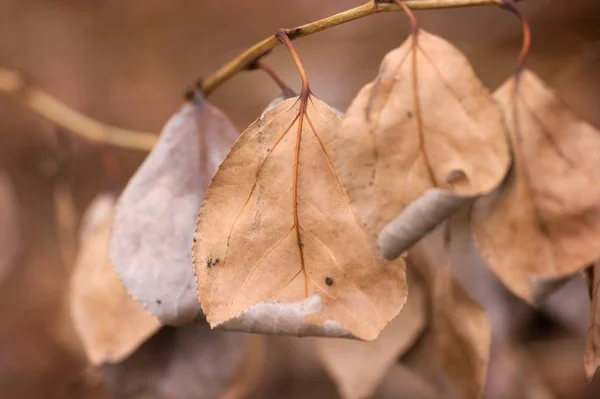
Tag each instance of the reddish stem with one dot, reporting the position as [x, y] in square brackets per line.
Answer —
[283, 36]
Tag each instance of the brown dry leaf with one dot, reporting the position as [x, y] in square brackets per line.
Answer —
[358, 367]
[155, 217]
[506, 313]
[592, 347]
[460, 327]
[110, 324]
[393, 148]
[181, 363]
[462, 335]
[550, 203]
[9, 226]
[278, 248]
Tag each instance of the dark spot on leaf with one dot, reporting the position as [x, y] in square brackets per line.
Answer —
[300, 244]
[216, 262]
[158, 302]
[328, 281]
[194, 239]
[409, 114]
[209, 262]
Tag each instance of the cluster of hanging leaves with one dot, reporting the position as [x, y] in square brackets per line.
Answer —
[300, 226]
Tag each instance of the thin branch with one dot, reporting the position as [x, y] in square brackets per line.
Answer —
[285, 89]
[260, 49]
[12, 83]
[525, 28]
[60, 114]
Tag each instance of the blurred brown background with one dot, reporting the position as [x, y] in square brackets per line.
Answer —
[127, 63]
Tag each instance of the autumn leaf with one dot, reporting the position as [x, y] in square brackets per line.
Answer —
[358, 367]
[462, 335]
[592, 347]
[110, 324]
[460, 327]
[179, 363]
[550, 202]
[453, 243]
[420, 125]
[278, 248]
[155, 217]
[9, 226]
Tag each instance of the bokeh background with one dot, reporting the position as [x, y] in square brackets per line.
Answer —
[128, 63]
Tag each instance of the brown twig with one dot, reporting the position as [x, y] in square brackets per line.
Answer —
[60, 114]
[260, 49]
[12, 83]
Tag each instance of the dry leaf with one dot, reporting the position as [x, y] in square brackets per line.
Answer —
[110, 324]
[460, 329]
[462, 335]
[391, 151]
[550, 203]
[155, 218]
[592, 347]
[422, 360]
[9, 226]
[507, 314]
[278, 248]
[358, 367]
[180, 363]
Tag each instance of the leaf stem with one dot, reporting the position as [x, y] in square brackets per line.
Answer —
[260, 49]
[526, 29]
[283, 36]
[414, 33]
[285, 89]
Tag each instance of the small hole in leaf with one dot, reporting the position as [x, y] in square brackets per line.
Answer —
[457, 179]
